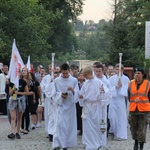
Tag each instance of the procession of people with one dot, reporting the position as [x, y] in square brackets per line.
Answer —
[94, 102]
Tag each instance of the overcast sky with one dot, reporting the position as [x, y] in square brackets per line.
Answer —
[96, 10]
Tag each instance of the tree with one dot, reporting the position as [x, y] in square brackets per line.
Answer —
[25, 21]
[127, 33]
[78, 25]
[63, 37]
[94, 43]
[40, 27]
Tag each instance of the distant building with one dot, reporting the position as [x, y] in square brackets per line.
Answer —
[91, 28]
[81, 63]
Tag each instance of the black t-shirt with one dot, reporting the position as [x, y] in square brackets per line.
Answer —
[36, 90]
[22, 85]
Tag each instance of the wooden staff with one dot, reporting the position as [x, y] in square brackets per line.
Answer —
[52, 74]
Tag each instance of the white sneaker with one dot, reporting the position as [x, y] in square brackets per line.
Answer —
[32, 126]
[38, 125]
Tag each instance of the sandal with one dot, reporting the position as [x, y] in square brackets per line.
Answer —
[25, 132]
[21, 130]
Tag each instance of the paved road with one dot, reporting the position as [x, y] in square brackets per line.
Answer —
[36, 140]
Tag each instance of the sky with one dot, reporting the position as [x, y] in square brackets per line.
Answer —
[96, 10]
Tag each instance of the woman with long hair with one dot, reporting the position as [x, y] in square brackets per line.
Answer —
[26, 117]
[17, 106]
[35, 87]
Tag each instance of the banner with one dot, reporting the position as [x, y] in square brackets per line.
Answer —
[16, 65]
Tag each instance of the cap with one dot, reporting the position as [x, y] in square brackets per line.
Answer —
[140, 69]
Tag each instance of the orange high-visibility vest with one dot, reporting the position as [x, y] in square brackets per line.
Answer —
[139, 98]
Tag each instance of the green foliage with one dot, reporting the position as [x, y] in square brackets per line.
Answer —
[24, 21]
[127, 33]
[63, 38]
[78, 25]
[124, 34]
[40, 27]
[94, 43]
[65, 57]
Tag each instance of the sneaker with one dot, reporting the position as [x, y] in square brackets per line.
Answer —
[11, 136]
[18, 136]
[38, 125]
[32, 126]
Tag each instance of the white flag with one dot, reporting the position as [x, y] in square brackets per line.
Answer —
[16, 64]
[28, 64]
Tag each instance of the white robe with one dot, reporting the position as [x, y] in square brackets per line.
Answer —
[52, 107]
[108, 85]
[65, 131]
[44, 83]
[92, 112]
[2, 86]
[117, 108]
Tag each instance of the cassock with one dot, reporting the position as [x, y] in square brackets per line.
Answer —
[92, 112]
[65, 130]
[117, 108]
[44, 83]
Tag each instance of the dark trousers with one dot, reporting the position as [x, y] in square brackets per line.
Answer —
[26, 118]
[79, 119]
[108, 122]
